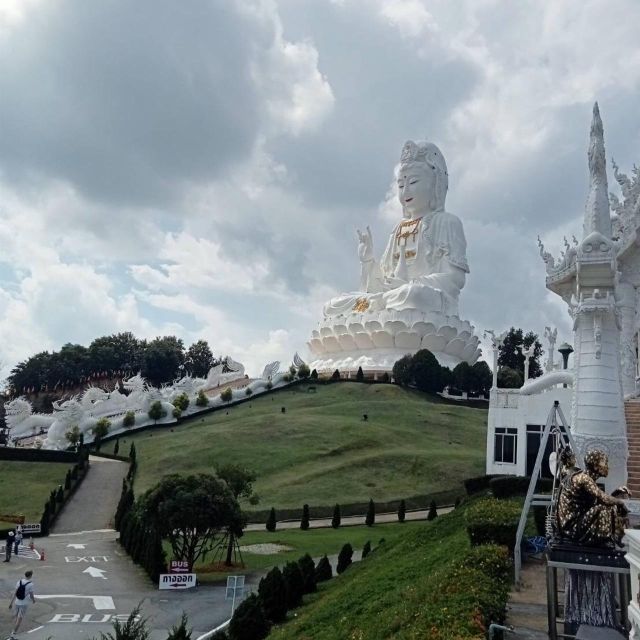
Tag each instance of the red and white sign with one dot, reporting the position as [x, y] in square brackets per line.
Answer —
[175, 581]
[179, 566]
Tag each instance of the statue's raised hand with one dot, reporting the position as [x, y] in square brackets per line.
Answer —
[365, 245]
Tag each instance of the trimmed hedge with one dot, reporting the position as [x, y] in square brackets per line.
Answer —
[478, 483]
[38, 455]
[492, 521]
[509, 486]
[468, 596]
[60, 496]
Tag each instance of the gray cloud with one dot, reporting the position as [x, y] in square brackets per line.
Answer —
[127, 101]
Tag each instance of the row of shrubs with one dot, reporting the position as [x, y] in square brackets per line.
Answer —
[336, 518]
[20, 454]
[59, 497]
[339, 511]
[140, 540]
[282, 591]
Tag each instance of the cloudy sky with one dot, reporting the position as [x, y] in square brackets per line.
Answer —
[199, 168]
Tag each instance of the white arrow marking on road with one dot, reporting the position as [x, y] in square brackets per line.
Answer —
[94, 572]
[76, 546]
[99, 602]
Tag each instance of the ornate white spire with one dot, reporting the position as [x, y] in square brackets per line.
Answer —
[596, 215]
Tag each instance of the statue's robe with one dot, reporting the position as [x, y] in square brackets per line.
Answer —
[434, 265]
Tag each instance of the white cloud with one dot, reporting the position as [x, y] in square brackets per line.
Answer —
[212, 189]
[409, 16]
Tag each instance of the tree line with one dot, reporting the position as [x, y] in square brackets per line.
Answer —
[423, 371]
[160, 361]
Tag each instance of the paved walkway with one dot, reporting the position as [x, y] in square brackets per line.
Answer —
[87, 581]
[350, 521]
[94, 503]
[527, 608]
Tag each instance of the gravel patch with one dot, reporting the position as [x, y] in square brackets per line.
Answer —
[266, 549]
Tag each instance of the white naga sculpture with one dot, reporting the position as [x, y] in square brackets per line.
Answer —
[21, 419]
[409, 299]
[94, 403]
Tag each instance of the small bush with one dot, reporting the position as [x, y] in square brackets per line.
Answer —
[336, 375]
[182, 402]
[180, 631]
[491, 521]
[176, 413]
[335, 520]
[294, 584]
[308, 569]
[226, 395]
[360, 375]
[135, 628]
[402, 511]
[202, 400]
[304, 522]
[129, 419]
[303, 371]
[248, 391]
[433, 511]
[323, 570]
[344, 558]
[385, 377]
[314, 375]
[366, 550]
[273, 595]
[370, 520]
[156, 411]
[271, 520]
[249, 620]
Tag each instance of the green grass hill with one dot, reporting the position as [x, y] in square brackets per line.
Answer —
[320, 450]
[428, 583]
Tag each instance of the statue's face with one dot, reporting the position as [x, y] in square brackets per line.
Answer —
[416, 189]
[603, 467]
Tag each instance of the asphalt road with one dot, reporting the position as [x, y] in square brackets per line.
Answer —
[72, 603]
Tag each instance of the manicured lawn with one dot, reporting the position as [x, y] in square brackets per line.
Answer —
[321, 451]
[315, 542]
[27, 485]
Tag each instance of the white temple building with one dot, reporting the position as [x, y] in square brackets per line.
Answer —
[598, 277]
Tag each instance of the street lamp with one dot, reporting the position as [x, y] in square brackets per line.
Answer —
[565, 350]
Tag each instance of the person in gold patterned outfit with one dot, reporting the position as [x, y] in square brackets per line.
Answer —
[586, 515]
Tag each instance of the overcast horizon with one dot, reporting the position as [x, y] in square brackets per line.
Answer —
[199, 169]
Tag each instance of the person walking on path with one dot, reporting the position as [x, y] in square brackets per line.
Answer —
[8, 546]
[21, 596]
[18, 540]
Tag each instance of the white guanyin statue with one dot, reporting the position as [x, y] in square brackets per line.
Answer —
[408, 297]
[425, 263]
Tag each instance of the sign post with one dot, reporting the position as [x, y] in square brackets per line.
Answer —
[235, 589]
[176, 581]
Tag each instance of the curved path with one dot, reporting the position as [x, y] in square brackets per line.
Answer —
[94, 503]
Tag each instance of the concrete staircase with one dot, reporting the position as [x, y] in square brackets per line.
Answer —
[632, 415]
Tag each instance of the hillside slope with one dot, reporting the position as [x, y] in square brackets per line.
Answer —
[426, 584]
[321, 451]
